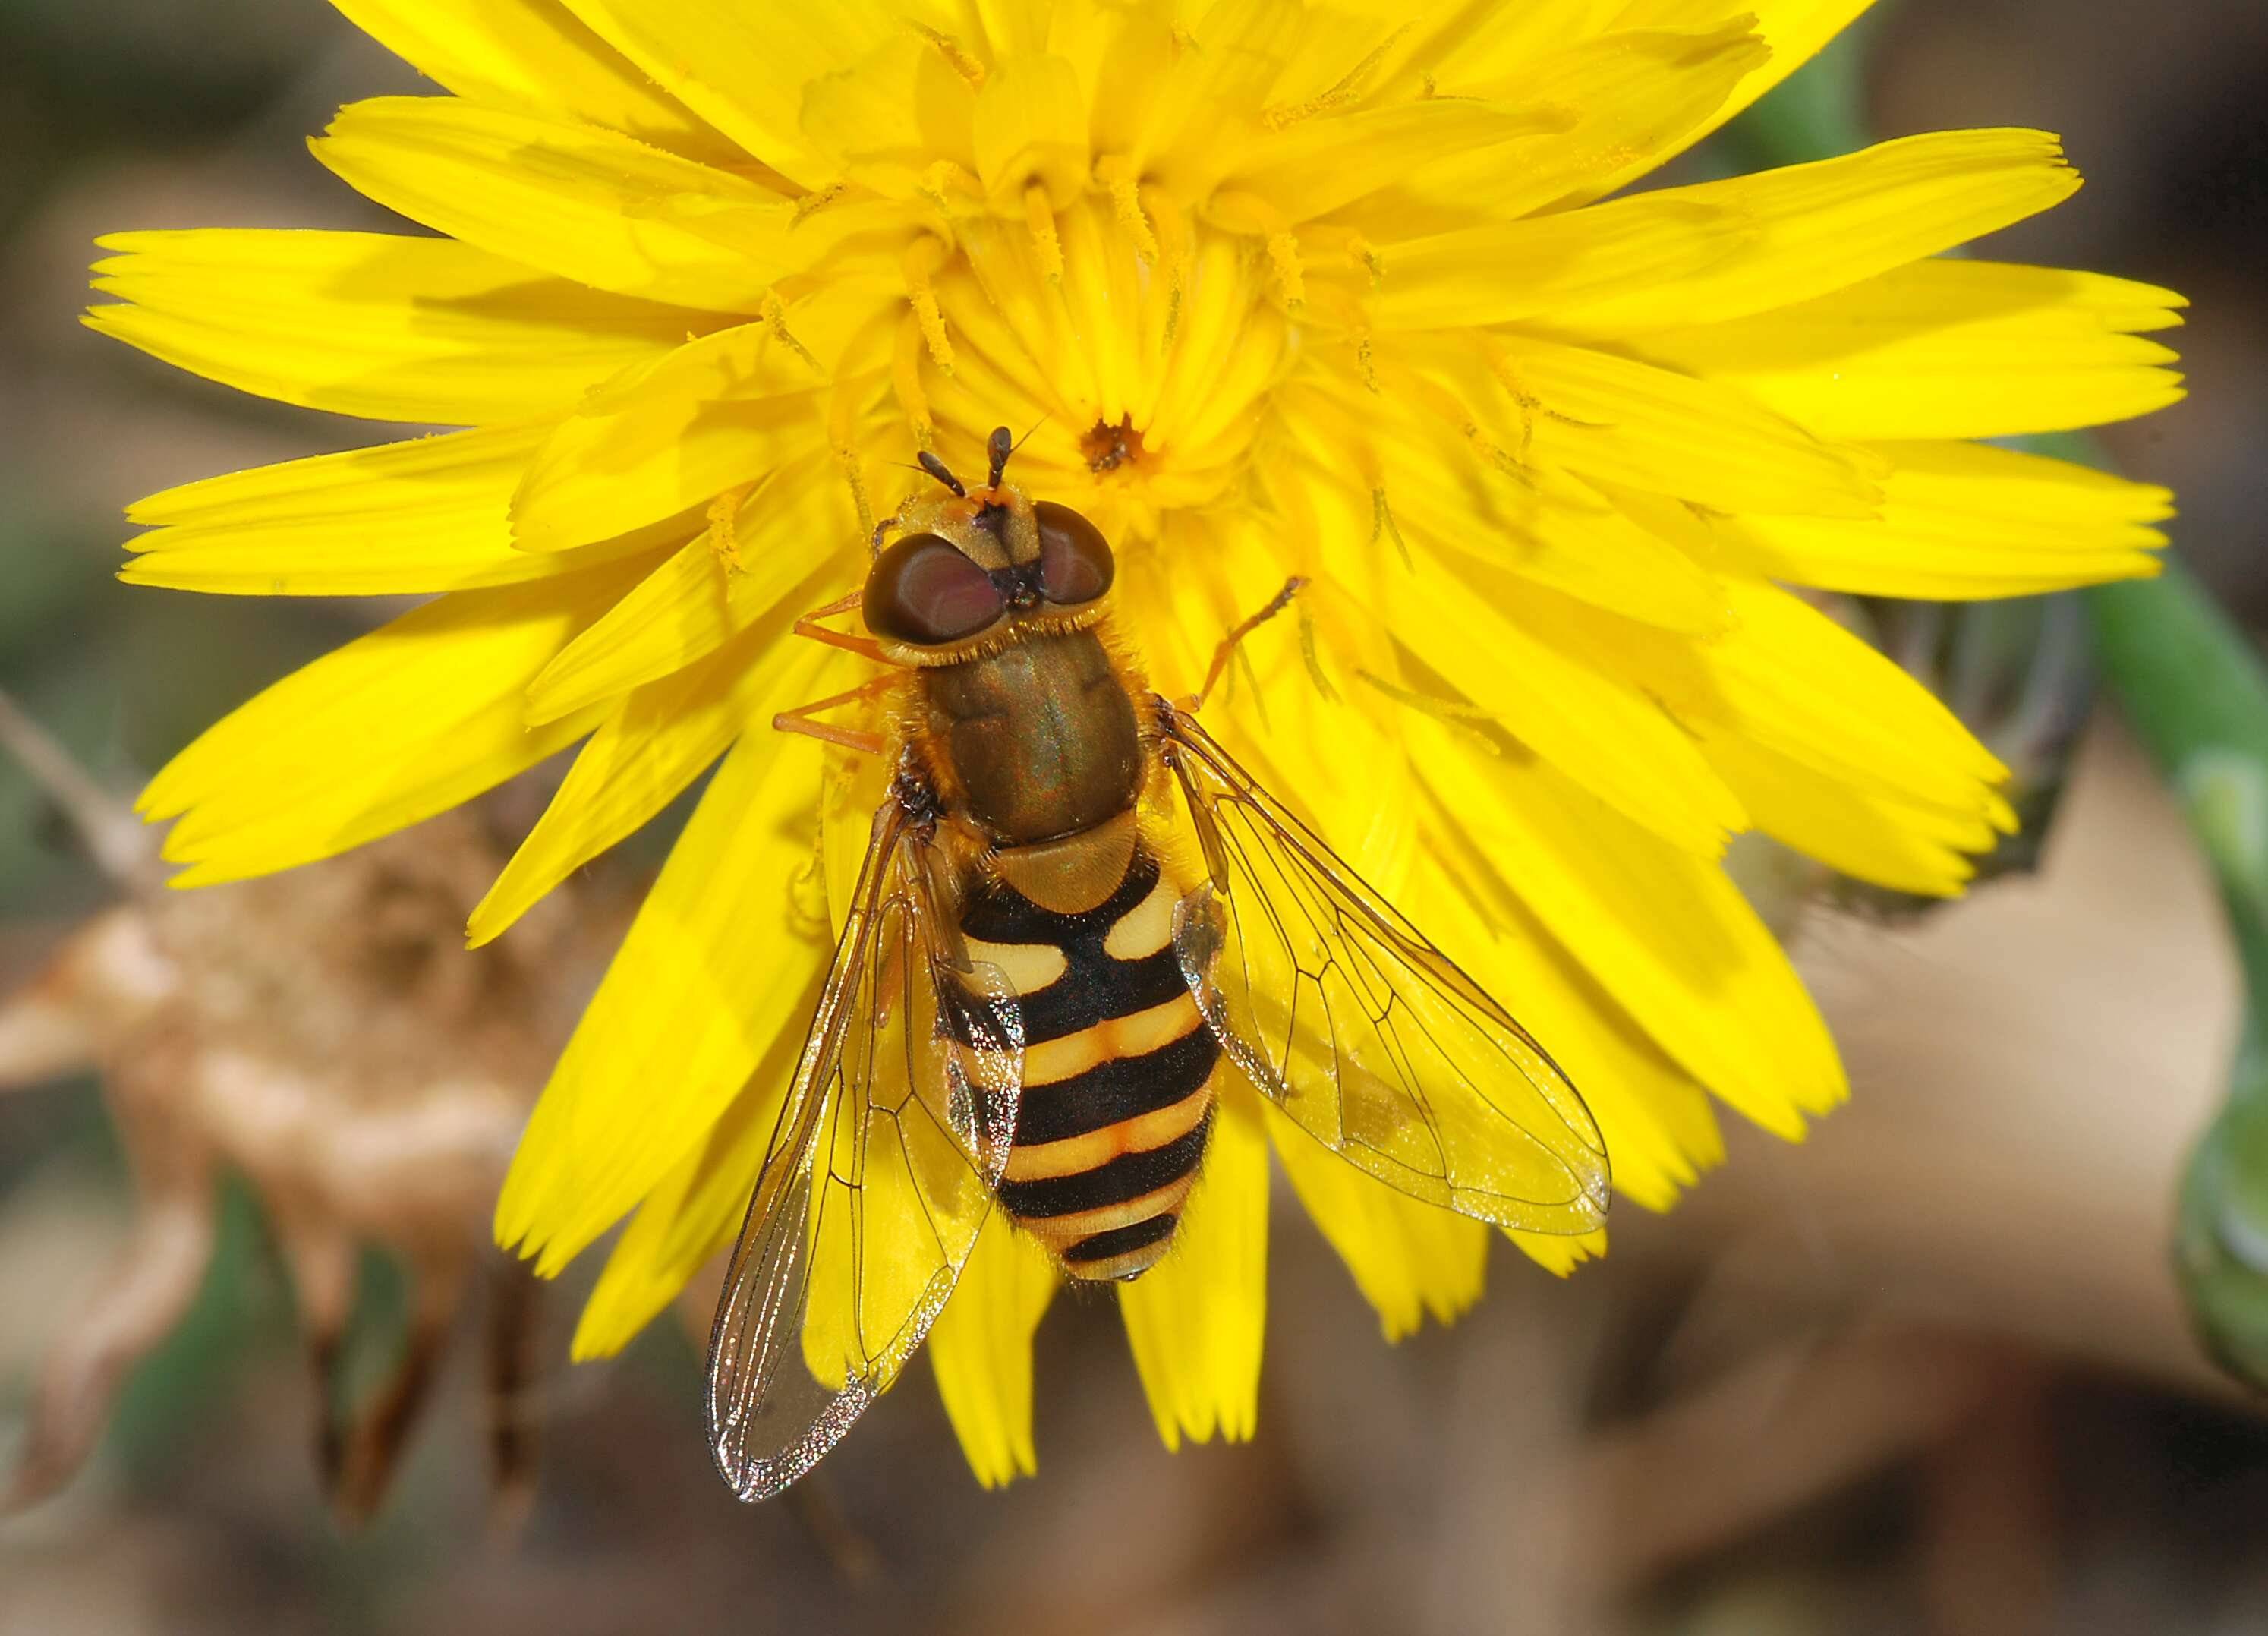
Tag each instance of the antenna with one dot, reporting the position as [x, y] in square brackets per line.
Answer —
[942, 473]
[999, 449]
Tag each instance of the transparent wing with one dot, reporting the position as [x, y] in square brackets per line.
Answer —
[880, 1173]
[1373, 1041]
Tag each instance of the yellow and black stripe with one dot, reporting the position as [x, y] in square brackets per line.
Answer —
[1118, 1069]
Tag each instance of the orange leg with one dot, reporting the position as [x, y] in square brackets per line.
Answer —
[1277, 604]
[800, 719]
[808, 626]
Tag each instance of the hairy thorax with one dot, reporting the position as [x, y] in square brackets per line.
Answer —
[1041, 737]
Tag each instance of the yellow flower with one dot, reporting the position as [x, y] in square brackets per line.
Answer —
[1280, 288]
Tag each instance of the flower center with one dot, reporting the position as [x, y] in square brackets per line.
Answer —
[1106, 447]
[1144, 349]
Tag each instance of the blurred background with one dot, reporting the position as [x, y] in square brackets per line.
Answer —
[1928, 1371]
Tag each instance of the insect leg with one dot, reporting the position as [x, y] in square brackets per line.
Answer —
[809, 627]
[1277, 604]
[800, 719]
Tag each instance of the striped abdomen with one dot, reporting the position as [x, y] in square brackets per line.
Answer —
[1118, 1069]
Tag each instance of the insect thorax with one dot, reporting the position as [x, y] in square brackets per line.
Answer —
[1041, 735]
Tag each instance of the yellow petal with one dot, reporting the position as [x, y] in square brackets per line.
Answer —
[415, 717]
[1543, 267]
[743, 68]
[1635, 94]
[1790, 678]
[1794, 680]
[1408, 1258]
[672, 434]
[793, 523]
[1865, 835]
[392, 329]
[636, 1283]
[1396, 482]
[696, 1210]
[1029, 129]
[1181, 100]
[571, 199]
[1335, 62]
[424, 515]
[981, 1351]
[1322, 753]
[1948, 348]
[711, 974]
[1195, 1319]
[1627, 422]
[656, 742]
[1589, 722]
[1324, 164]
[1813, 229]
[1792, 32]
[1663, 931]
[1482, 47]
[1961, 520]
[886, 122]
[533, 55]
[1559, 1255]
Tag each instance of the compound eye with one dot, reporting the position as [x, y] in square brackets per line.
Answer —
[1075, 563]
[924, 592]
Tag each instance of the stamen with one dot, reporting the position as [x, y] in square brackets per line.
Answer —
[1458, 714]
[1382, 525]
[846, 409]
[905, 381]
[773, 312]
[1174, 241]
[1242, 667]
[1365, 358]
[1347, 91]
[1039, 216]
[1315, 659]
[724, 526]
[1291, 279]
[1126, 194]
[1365, 255]
[847, 459]
[1246, 212]
[1446, 404]
[952, 50]
[806, 887]
[1511, 465]
[943, 180]
[813, 203]
[1336, 238]
[1508, 375]
[923, 258]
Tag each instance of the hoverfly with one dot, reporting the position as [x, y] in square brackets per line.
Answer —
[1040, 985]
